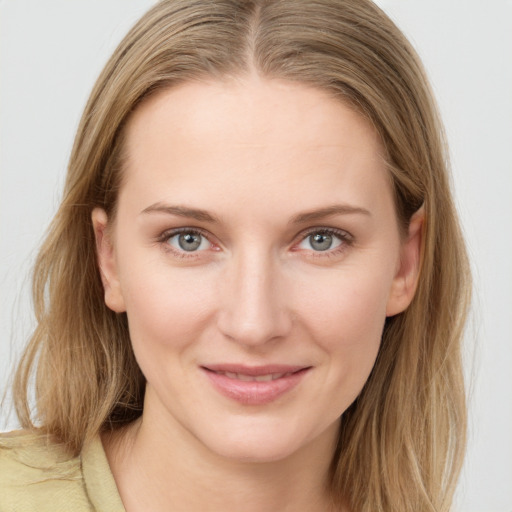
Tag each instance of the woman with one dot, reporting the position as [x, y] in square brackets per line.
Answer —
[246, 300]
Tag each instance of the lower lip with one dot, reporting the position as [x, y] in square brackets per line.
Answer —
[254, 392]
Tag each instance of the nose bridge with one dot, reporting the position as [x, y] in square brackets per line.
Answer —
[253, 307]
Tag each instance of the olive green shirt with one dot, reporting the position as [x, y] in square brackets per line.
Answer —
[39, 476]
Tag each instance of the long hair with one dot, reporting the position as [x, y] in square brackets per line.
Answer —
[402, 441]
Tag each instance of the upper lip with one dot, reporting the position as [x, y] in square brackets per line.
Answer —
[254, 371]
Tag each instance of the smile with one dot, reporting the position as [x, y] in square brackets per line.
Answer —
[255, 378]
[254, 385]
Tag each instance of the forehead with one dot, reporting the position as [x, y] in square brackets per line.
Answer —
[253, 111]
[239, 138]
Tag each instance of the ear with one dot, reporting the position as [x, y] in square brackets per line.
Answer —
[405, 281]
[107, 261]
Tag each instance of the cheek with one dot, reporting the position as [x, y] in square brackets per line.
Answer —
[349, 305]
[166, 309]
[346, 318]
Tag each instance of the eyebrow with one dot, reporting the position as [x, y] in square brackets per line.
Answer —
[181, 211]
[336, 209]
[204, 216]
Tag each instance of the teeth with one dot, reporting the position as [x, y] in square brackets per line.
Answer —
[264, 378]
[254, 378]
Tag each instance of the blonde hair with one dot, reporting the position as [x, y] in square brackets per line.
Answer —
[402, 441]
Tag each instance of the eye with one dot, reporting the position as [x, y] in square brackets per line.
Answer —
[188, 241]
[323, 240]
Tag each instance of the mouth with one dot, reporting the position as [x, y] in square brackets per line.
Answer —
[255, 378]
[254, 385]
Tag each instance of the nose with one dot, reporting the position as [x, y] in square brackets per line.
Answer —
[252, 306]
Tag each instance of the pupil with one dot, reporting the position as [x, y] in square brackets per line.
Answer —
[321, 242]
[189, 241]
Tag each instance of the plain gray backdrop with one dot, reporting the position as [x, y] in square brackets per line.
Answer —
[50, 55]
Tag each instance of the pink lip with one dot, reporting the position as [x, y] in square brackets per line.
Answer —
[252, 392]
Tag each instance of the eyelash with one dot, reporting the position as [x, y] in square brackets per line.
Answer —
[345, 238]
[164, 238]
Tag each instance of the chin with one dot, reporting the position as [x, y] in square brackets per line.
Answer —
[255, 453]
[260, 443]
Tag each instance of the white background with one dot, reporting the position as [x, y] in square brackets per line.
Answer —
[51, 52]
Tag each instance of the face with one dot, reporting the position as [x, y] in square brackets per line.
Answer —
[257, 254]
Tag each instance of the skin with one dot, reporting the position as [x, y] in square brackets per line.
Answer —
[255, 154]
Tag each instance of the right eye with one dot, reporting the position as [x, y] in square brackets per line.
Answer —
[188, 241]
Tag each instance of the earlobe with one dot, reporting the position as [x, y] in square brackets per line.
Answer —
[107, 261]
[406, 279]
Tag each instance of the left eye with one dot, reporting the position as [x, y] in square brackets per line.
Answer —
[321, 241]
[189, 241]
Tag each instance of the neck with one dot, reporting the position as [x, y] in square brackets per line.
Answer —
[162, 469]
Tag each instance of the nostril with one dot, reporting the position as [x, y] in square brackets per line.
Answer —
[252, 310]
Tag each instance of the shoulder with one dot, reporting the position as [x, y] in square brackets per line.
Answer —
[38, 474]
